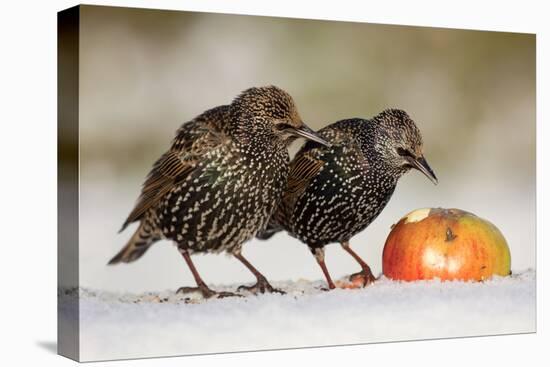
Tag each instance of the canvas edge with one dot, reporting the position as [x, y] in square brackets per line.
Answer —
[68, 315]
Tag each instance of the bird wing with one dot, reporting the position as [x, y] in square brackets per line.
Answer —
[193, 140]
[307, 164]
[302, 170]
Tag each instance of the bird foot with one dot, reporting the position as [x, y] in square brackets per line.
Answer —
[364, 278]
[206, 292]
[261, 286]
[326, 289]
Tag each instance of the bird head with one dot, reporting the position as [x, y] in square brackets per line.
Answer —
[400, 143]
[271, 111]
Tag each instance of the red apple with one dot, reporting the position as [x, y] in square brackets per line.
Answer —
[447, 244]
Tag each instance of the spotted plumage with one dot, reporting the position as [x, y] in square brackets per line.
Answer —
[220, 181]
[335, 192]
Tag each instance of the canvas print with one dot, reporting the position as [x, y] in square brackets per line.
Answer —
[239, 183]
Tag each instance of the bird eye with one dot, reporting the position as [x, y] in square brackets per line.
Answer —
[404, 152]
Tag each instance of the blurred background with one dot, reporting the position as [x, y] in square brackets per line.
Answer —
[145, 72]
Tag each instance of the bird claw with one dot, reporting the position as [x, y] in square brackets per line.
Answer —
[228, 294]
[364, 275]
[206, 292]
[327, 288]
[261, 286]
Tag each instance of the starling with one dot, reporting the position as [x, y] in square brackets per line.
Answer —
[219, 182]
[335, 192]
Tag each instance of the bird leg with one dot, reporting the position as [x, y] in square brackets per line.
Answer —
[319, 254]
[366, 273]
[201, 285]
[262, 285]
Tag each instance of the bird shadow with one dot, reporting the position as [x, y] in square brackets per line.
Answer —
[50, 346]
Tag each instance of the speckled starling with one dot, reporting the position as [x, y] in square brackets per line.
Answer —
[335, 192]
[220, 181]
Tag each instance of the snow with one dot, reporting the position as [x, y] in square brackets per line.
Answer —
[125, 325]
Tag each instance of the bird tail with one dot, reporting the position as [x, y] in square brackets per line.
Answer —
[139, 243]
[269, 231]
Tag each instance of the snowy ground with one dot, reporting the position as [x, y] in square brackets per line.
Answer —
[115, 325]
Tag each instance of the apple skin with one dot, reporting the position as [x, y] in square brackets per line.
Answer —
[449, 244]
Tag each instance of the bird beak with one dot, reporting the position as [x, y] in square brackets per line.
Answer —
[423, 166]
[305, 132]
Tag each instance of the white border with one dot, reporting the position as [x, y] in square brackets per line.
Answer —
[28, 151]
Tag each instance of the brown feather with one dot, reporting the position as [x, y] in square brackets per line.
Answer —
[193, 140]
[302, 171]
